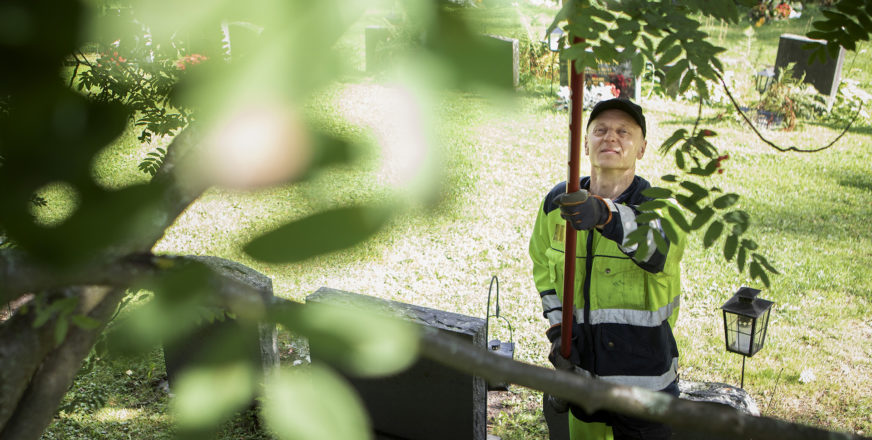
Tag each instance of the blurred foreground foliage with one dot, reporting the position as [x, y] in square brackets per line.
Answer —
[225, 84]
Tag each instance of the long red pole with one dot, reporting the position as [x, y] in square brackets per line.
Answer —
[576, 96]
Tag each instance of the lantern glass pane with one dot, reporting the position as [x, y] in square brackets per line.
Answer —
[760, 333]
[744, 327]
[739, 331]
[730, 329]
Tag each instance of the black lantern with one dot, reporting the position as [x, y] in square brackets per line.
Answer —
[763, 79]
[555, 42]
[745, 320]
[555, 39]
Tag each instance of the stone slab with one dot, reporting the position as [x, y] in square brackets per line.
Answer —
[506, 58]
[263, 348]
[428, 401]
[712, 392]
[825, 77]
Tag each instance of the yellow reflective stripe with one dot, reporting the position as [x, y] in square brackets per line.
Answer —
[640, 318]
[655, 383]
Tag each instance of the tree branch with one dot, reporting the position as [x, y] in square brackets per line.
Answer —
[596, 394]
[54, 377]
[22, 349]
[179, 192]
[698, 117]
[34, 375]
[772, 144]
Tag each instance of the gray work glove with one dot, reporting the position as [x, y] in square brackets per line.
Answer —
[583, 210]
[570, 364]
[555, 357]
[559, 405]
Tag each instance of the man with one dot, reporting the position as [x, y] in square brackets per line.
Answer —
[626, 301]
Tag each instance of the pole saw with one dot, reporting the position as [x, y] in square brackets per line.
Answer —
[576, 97]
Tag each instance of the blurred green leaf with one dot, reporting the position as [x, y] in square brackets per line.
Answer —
[651, 205]
[313, 404]
[102, 220]
[730, 245]
[712, 234]
[357, 338]
[661, 244]
[656, 192]
[679, 159]
[670, 55]
[60, 331]
[205, 396]
[694, 188]
[85, 322]
[756, 271]
[702, 218]
[647, 216]
[678, 217]
[639, 237]
[320, 233]
[668, 143]
[669, 230]
[725, 201]
[764, 262]
[740, 259]
[738, 217]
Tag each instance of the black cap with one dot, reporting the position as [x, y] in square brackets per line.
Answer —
[624, 105]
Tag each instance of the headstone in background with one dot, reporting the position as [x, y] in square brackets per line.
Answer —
[261, 341]
[428, 401]
[376, 41]
[506, 58]
[825, 77]
[606, 78]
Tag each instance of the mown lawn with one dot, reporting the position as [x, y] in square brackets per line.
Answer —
[810, 216]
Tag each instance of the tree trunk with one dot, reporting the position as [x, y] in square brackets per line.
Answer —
[37, 405]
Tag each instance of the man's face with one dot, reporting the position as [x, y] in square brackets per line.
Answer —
[614, 141]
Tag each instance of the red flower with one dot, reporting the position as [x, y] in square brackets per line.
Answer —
[190, 59]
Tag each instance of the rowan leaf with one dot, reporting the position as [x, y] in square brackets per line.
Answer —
[730, 245]
[702, 218]
[712, 234]
[725, 201]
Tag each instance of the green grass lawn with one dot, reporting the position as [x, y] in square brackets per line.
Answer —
[810, 216]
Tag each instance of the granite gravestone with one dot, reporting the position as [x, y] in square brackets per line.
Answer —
[506, 59]
[824, 76]
[428, 401]
[260, 341]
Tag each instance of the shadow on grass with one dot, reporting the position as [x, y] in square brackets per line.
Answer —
[839, 126]
[854, 180]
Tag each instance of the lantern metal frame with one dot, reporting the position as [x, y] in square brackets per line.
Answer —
[556, 41]
[746, 321]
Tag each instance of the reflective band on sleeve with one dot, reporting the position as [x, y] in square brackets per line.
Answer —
[554, 316]
[628, 222]
[551, 302]
[640, 318]
[628, 226]
[655, 383]
[579, 316]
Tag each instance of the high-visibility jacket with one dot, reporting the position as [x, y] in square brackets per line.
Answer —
[626, 304]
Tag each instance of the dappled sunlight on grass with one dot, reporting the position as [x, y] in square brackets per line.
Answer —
[117, 414]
